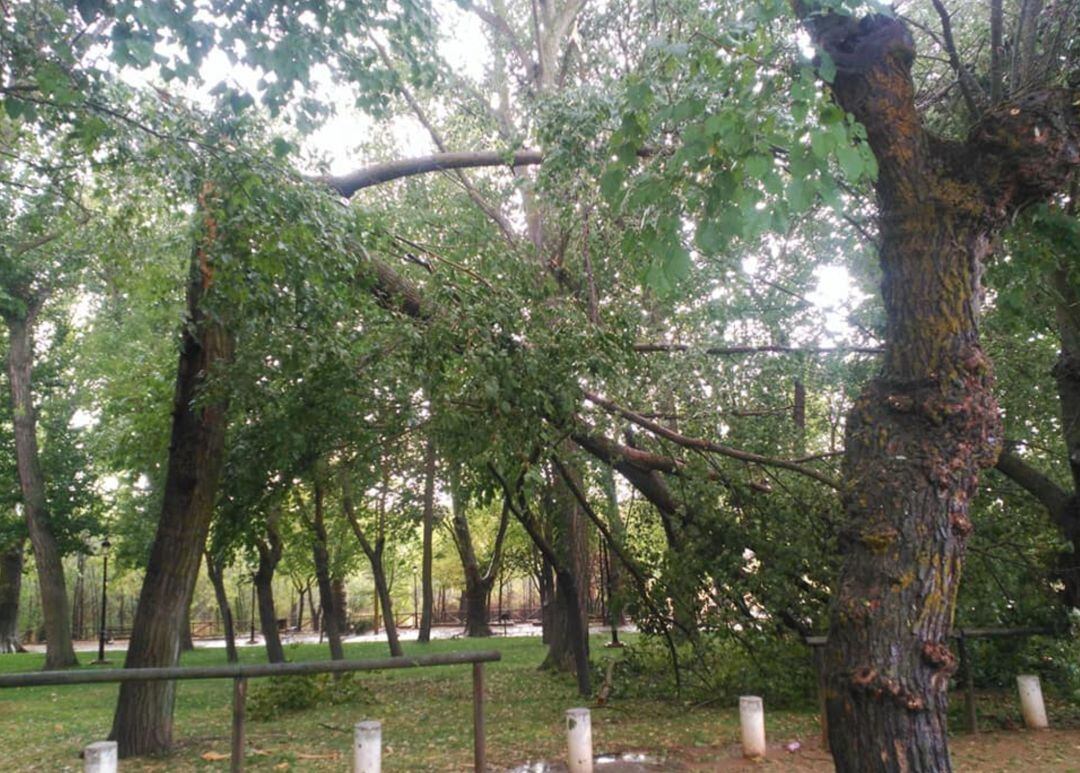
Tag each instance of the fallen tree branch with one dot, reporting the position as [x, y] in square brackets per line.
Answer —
[708, 445]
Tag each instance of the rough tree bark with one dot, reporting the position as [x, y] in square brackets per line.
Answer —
[426, 583]
[576, 634]
[570, 621]
[478, 581]
[269, 551]
[143, 720]
[927, 424]
[59, 651]
[321, 557]
[216, 570]
[11, 566]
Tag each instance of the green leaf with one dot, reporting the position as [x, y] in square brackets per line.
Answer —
[611, 184]
[826, 67]
[851, 161]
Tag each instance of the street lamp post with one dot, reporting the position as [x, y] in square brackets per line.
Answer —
[105, 545]
[415, 603]
[252, 640]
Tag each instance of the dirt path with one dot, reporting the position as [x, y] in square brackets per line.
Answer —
[1049, 751]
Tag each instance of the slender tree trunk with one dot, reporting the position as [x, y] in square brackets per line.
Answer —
[270, 550]
[923, 429]
[341, 604]
[11, 566]
[427, 590]
[322, 575]
[374, 553]
[78, 612]
[382, 589]
[59, 651]
[187, 644]
[144, 711]
[217, 578]
[264, 590]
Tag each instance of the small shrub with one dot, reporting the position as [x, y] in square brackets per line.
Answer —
[279, 695]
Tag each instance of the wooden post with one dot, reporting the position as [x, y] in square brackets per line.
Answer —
[479, 752]
[817, 646]
[969, 685]
[238, 740]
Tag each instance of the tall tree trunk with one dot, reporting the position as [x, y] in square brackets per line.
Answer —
[374, 553]
[571, 619]
[217, 578]
[924, 427]
[427, 591]
[270, 552]
[382, 589]
[78, 611]
[11, 566]
[478, 582]
[322, 576]
[341, 604]
[264, 590]
[187, 643]
[143, 720]
[477, 588]
[59, 651]
[614, 568]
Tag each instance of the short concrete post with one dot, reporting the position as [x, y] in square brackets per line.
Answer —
[579, 740]
[1031, 702]
[752, 722]
[100, 757]
[367, 747]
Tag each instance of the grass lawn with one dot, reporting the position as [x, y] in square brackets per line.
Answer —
[427, 721]
[426, 716]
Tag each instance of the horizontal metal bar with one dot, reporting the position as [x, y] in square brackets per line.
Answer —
[234, 671]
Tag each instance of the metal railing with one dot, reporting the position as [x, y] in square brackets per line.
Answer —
[966, 668]
[241, 673]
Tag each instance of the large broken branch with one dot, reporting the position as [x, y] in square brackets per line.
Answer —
[699, 444]
[348, 184]
[1056, 499]
[737, 350]
[387, 171]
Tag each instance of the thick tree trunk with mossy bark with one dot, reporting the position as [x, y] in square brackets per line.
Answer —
[144, 712]
[59, 651]
[216, 570]
[927, 424]
[11, 566]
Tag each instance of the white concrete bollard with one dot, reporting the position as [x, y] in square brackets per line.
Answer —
[1031, 702]
[367, 747]
[752, 722]
[100, 757]
[579, 740]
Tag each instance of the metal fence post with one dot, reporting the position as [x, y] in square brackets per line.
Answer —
[479, 752]
[969, 685]
[238, 740]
